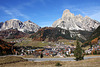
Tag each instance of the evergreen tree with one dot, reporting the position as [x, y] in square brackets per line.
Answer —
[78, 53]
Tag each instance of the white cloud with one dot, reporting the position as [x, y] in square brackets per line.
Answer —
[8, 12]
[80, 11]
[93, 12]
[14, 13]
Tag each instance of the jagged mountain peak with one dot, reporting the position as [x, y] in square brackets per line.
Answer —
[29, 21]
[87, 17]
[79, 16]
[67, 13]
[69, 21]
[31, 26]
[13, 21]
[17, 24]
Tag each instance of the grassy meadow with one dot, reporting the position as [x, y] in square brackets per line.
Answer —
[95, 62]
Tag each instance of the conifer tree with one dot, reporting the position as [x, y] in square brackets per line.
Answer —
[78, 53]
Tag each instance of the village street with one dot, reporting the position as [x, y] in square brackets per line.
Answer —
[57, 59]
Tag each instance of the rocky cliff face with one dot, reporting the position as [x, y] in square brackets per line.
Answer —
[17, 24]
[14, 24]
[29, 25]
[71, 22]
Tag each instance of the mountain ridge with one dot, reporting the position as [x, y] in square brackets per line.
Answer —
[69, 21]
[21, 26]
[54, 34]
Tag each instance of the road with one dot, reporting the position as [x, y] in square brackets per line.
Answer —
[57, 59]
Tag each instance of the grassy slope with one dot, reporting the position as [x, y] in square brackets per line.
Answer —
[68, 42]
[30, 42]
[84, 63]
[10, 59]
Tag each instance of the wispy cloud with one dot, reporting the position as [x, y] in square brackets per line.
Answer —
[96, 16]
[8, 12]
[30, 3]
[93, 12]
[83, 12]
[14, 13]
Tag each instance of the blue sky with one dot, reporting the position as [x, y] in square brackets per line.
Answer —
[45, 12]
